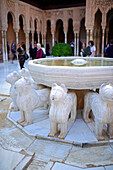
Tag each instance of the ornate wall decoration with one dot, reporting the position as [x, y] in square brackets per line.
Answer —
[70, 14]
[22, 9]
[82, 13]
[59, 14]
[10, 5]
[104, 4]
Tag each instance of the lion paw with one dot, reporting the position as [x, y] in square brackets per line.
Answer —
[61, 136]
[20, 121]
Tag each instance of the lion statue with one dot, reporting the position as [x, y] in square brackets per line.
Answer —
[102, 107]
[29, 99]
[11, 79]
[62, 104]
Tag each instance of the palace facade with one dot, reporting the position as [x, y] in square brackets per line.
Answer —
[22, 22]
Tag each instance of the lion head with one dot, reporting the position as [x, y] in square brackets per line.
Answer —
[12, 77]
[58, 93]
[106, 92]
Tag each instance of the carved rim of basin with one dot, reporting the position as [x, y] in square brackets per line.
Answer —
[73, 77]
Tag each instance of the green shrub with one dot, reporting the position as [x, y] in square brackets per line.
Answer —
[62, 49]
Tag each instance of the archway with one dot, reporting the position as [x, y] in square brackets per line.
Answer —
[98, 32]
[21, 35]
[10, 31]
[59, 33]
[48, 38]
[109, 25]
[70, 34]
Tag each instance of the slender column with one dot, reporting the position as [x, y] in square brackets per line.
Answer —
[98, 42]
[38, 37]
[27, 42]
[32, 39]
[78, 44]
[16, 37]
[95, 37]
[87, 36]
[103, 37]
[3, 43]
[107, 31]
[65, 37]
[42, 38]
[75, 43]
[53, 39]
[91, 34]
[44, 35]
[6, 55]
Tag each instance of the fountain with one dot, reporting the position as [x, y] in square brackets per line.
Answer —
[70, 76]
[95, 72]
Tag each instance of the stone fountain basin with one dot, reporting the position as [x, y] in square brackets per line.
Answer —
[84, 77]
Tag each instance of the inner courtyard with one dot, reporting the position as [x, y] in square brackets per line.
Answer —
[56, 111]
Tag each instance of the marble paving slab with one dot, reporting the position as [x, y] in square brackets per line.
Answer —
[13, 160]
[91, 156]
[80, 133]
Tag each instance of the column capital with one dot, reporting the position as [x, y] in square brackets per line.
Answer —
[26, 31]
[76, 32]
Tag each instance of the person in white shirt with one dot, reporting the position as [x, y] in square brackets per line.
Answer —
[92, 48]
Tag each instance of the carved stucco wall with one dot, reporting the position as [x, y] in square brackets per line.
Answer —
[91, 9]
[76, 14]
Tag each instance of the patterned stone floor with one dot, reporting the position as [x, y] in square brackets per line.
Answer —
[18, 150]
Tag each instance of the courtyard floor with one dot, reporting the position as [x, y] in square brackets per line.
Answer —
[21, 151]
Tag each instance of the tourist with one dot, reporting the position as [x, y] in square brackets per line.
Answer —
[8, 50]
[109, 51]
[21, 56]
[24, 46]
[85, 51]
[13, 50]
[44, 51]
[72, 46]
[47, 49]
[34, 52]
[31, 50]
[92, 48]
[39, 51]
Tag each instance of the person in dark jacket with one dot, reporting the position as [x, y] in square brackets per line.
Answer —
[34, 52]
[21, 56]
[109, 50]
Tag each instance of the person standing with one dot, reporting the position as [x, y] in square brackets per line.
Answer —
[13, 50]
[72, 46]
[39, 51]
[44, 51]
[92, 48]
[34, 52]
[109, 50]
[21, 56]
[8, 51]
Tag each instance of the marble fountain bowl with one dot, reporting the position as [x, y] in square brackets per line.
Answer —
[89, 75]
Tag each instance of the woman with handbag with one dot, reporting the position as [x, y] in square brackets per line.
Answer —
[21, 56]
